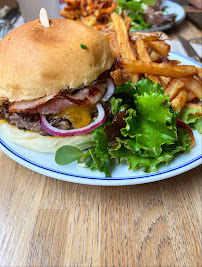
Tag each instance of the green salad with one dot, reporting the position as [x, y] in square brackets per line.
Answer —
[145, 14]
[135, 10]
[140, 129]
[191, 117]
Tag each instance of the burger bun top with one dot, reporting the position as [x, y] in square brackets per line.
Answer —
[36, 61]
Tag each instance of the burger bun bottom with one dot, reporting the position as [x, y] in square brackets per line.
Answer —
[44, 144]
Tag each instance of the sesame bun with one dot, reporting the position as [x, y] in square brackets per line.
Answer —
[36, 61]
[43, 144]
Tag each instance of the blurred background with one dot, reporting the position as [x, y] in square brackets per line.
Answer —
[95, 13]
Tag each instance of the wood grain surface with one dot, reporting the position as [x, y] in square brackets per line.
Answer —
[46, 222]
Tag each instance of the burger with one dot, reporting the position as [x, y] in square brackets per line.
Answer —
[53, 84]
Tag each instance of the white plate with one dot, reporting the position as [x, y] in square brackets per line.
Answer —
[45, 164]
[172, 8]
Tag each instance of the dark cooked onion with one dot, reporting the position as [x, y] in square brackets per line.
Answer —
[187, 129]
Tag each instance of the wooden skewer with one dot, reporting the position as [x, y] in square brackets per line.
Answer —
[44, 17]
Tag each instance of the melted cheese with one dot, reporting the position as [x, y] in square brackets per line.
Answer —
[3, 121]
[79, 116]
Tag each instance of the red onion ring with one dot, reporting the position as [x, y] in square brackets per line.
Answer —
[187, 129]
[110, 90]
[57, 132]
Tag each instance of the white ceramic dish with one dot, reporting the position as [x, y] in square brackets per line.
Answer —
[171, 8]
[45, 164]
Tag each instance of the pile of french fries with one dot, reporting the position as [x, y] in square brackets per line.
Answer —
[138, 55]
[89, 12]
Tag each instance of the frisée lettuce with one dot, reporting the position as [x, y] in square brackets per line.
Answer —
[141, 131]
[192, 117]
[135, 10]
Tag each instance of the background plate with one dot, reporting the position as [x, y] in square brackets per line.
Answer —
[172, 7]
[45, 163]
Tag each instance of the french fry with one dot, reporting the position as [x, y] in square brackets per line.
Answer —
[174, 87]
[148, 37]
[155, 56]
[142, 50]
[174, 62]
[109, 10]
[90, 20]
[164, 81]
[118, 77]
[70, 14]
[198, 77]
[179, 101]
[199, 71]
[123, 41]
[194, 86]
[162, 69]
[128, 21]
[122, 37]
[90, 12]
[114, 44]
[190, 95]
[144, 56]
[194, 106]
[161, 47]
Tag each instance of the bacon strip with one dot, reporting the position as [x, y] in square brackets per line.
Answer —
[46, 105]
[54, 106]
[24, 106]
[55, 103]
[88, 96]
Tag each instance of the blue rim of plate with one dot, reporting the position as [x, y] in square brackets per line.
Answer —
[97, 178]
[17, 157]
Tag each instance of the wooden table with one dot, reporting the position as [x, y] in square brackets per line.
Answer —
[46, 222]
